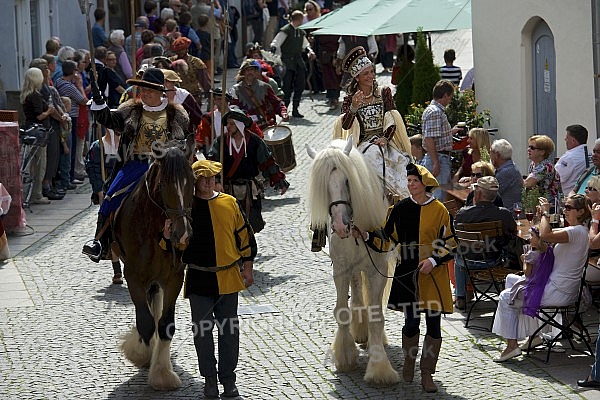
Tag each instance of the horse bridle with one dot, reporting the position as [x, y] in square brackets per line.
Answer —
[183, 213]
[338, 202]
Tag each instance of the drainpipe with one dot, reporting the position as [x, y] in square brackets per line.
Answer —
[596, 55]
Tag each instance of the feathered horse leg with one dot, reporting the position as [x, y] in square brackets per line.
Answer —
[379, 370]
[344, 349]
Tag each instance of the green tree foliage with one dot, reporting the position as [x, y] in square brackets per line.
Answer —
[426, 73]
[404, 76]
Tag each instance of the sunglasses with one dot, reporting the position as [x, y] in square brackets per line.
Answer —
[591, 189]
[476, 175]
[569, 207]
[533, 148]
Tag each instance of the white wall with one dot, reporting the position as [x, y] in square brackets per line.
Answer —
[502, 59]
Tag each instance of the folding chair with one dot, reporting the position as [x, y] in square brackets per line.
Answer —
[571, 320]
[477, 246]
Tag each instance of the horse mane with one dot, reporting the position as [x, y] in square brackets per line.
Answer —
[366, 189]
[175, 167]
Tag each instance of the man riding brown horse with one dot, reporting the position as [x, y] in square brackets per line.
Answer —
[144, 124]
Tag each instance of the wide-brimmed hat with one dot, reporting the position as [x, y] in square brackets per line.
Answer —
[219, 92]
[250, 63]
[206, 168]
[153, 78]
[181, 43]
[356, 61]
[487, 183]
[424, 175]
[171, 75]
[239, 115]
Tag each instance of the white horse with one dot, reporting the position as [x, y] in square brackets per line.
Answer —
[343, 187]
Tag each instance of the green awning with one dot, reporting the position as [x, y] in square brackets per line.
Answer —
[381, 17]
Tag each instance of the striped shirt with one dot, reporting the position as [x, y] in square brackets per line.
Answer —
[451, 73]
[68, 89]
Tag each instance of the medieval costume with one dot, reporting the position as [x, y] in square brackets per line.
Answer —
[419, 228]
[256, 97]
[142, 127]
[245, 156]
[219, 262]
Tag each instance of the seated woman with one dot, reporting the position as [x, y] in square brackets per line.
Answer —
[592, 192]
[541, 172]
[513, 321]
[479, 169]
[478, 149]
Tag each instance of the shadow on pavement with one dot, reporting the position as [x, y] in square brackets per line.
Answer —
[137, 387]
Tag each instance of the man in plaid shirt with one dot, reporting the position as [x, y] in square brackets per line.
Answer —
[437, 135]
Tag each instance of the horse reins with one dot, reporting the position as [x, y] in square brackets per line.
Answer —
[183, 213]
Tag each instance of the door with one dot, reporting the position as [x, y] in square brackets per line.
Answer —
[544, 82]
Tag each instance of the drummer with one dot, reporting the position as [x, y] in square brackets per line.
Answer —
[245, 155]
[257, 97]
[204, 132]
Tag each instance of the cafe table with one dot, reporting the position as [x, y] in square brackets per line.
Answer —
[458, 193]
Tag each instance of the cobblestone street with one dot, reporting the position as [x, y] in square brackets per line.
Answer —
[64, 344]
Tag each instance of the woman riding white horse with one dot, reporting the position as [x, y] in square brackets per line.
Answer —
[370, 118]
[343, 192]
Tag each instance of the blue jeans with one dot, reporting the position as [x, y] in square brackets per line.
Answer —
[222, 310]
[64, 164]
[596, 367]
[443, 177]
[460, 273]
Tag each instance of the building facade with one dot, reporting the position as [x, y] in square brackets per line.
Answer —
[537, 68]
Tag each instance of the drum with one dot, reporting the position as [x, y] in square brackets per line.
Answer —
[279, 140]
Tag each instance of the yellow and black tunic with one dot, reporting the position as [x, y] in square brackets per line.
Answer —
[420, 232]
[221, 237]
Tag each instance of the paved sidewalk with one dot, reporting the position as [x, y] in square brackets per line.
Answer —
[59, 337]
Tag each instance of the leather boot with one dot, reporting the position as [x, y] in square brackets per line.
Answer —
[318, 240]
[230, 389]
[429, 357]
[410, 347]
[93, 248]
[211, 391]
[296, 113]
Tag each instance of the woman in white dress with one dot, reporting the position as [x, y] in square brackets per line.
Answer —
[562, 287]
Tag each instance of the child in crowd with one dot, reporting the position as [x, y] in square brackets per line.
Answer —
[416, 148]
[93, 167]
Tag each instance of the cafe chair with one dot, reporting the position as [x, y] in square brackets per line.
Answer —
[488, 280]
[570, 324]
[452, 206]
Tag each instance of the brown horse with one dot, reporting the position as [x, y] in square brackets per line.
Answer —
[155, 276]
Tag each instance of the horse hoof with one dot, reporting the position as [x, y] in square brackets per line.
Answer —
[164, 380]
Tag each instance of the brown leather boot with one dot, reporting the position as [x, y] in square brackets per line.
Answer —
[410, 348]
[429, 357]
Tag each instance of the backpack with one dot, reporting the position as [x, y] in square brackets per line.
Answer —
[250, 9]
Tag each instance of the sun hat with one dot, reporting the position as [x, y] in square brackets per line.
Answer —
[153, 78]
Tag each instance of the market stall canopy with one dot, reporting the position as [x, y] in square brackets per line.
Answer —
[382, 17]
